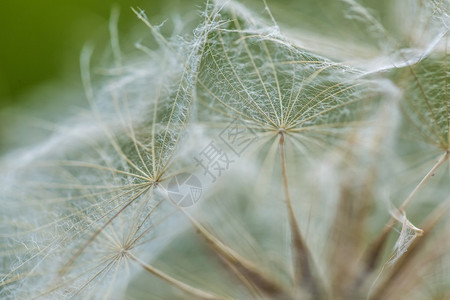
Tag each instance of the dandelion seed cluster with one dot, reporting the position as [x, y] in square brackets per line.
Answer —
[341, 190]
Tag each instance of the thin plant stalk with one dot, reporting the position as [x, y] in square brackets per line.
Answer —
[303, 273]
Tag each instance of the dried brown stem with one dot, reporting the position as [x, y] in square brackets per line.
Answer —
[303, 269]
[196, 292]
[253, 278]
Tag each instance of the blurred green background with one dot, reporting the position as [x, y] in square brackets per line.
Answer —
[40, 46]
[40, 40]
